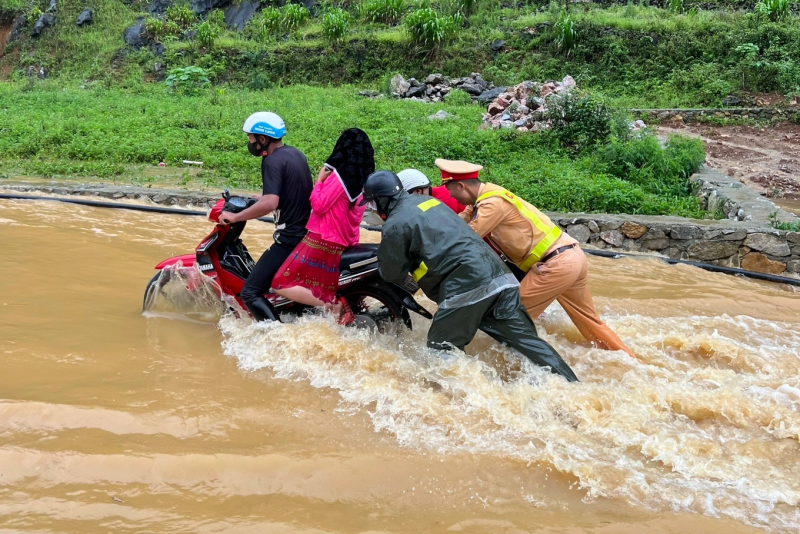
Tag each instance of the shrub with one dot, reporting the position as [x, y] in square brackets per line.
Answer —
[747, 59]
[9, 8]
[386, 11]
[566, 36]
[206, 34]
[267, 24]
[187, 80]
[676, 6]
[335, 24]
[427, 26]
[458, 97]
[183, 16]
[155, 28]
[293, 17]
[578, 121]
[464, 7]
[33, 14]
[774, 10]
[657, 170]
[216, 18]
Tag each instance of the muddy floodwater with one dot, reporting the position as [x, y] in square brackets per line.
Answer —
[113, 421]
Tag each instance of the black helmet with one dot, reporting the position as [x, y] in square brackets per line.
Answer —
[381, 184]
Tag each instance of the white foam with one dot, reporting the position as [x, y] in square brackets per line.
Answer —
[691, 429]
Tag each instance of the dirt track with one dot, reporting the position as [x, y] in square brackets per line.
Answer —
[766, 159]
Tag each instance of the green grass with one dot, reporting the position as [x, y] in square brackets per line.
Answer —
[53, 130]
[637, 56]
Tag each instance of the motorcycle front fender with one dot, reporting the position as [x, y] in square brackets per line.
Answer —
[187, 260]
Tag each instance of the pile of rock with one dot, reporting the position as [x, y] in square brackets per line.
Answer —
[523, 107]
[436, 87]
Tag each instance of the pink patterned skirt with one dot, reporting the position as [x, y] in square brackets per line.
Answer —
[314, 264]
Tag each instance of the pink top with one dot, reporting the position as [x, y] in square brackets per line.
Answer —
[332, 215]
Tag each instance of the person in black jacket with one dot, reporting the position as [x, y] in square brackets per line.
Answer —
[457, 270]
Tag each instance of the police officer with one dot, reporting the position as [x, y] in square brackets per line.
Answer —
[456, 269]
[553, 264]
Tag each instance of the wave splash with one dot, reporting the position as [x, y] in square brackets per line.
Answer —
[708, 424]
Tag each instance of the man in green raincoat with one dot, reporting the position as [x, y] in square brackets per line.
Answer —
[456, 269]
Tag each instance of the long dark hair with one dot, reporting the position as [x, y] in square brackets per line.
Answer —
[354, 160]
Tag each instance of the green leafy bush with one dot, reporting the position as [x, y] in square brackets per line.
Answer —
[183, 16]
[216, 18]
[657, 170]
[206, 34]
[458, 97]
[579, 121]
[9, 8]
[566, 35]
[187, 80]
[426, 26]
[774, 10]
[155, 28]
[293, 17]
[464, 7]
[33, 14]
[676, 6]
[386, 11]
[335, 24]
[266, 25]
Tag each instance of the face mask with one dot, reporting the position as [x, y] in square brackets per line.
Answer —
[371, 206]
[254, 149]
[382, 206]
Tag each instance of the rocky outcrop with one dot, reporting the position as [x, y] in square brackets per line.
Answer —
[86, 17]
[134, 34]
[45, 21]
[237, 15]
[436, 87]
[16, 28]
[523, 107]
[203, 7]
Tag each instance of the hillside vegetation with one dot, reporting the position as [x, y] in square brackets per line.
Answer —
[106, 109]
[640, 55]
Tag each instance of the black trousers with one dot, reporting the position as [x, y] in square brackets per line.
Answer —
[503, 317]
[260, 280]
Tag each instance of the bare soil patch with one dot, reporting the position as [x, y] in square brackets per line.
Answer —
[765, 159]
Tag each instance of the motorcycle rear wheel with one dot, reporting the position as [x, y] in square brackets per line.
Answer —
[389, 310]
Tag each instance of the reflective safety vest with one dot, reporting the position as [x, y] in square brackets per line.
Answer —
[550, 233]
[422, 270]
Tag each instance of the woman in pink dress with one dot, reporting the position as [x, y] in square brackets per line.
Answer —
[310, 275]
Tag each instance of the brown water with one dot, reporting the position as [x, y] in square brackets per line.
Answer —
[115, 422]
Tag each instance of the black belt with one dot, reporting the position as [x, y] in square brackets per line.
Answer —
[556, 252]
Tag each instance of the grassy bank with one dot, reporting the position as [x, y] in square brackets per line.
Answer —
[52, 130]
[641, 56]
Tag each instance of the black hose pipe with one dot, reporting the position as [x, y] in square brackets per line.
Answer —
[603, 253]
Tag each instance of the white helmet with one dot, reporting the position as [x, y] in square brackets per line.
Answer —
[265, 123]
[412, 179]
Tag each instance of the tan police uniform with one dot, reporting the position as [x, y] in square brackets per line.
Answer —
[556, 267]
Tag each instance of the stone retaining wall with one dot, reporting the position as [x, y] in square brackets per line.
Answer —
[750, 245]
[734, 200]
[693, 115]
[742, 245]
[166, 197]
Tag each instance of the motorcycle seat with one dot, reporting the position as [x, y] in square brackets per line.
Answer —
[357, 254]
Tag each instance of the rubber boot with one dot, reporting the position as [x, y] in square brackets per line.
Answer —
[260, 309]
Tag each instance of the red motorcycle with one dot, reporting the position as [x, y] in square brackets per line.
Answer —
[222, 259]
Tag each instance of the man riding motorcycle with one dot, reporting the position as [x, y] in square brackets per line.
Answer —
[456, 269]
[287, 186]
